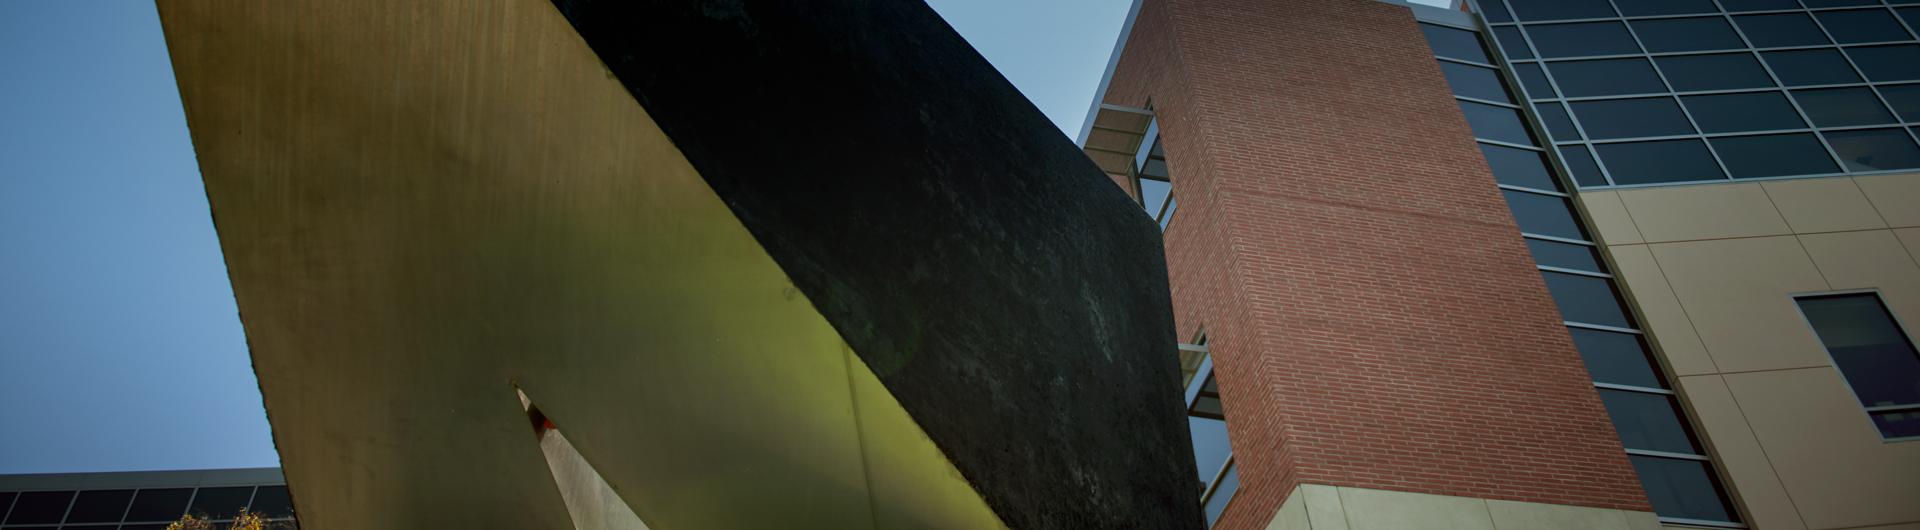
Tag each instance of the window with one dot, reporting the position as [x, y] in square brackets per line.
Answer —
[1905, 100]
[1606, 77]
[1873, 354]
[1496, 123]
[40, 507]
[1840, 107]
[1534, 80]
[1586, 299]
[1545, 215]
[1152, 181]
[1580, 164]
[1726, 71]
[1736, 6]
[1635, 8]
[1784, 29]
[159, 505]
[1874, 149]
[221, 503]
[1687, 34]
[1616, 358]
[1514, 44]
[1648, 421]
[1757, 111]
[1518, 167]
[1455, 44]
[1475, 82]
[1216, 500]
[1217, 478]
[1862, 25]
[1811, 67]
[274, 501]
[1682, 488]
[1586, 38]
[1662, 161]
[1888, 63]
[1774, 155]
[1558, 124]
[1533, 10]
[1629, 118]
[1564, 255]
[101, 506]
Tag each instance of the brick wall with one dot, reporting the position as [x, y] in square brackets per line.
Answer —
[1374, 315]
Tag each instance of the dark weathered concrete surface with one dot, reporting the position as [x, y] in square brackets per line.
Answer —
[1010, 297]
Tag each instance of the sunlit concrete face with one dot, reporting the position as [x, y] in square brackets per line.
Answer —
[425, 206]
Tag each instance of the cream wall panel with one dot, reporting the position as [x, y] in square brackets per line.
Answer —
[1834, 464]
[1702, 212]
[1292, 514]
[1739, 453]
[1873, 259]
[1738, 294]
[1823, 205]
[1509, 515]
[1897, 197]
[1371, 509]
[1909, 238]
[1324, 511]
[1610, 218]
[1660, 310]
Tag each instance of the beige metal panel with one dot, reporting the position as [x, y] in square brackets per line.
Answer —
[1897, 197]
[1292, 514]
[1739, 453]
[1823, 205]
[1324, 510]
[1371, 509]
[1610, 217]
[1663, 317]
[1871, 259]
[1909, 238]
[1738, 293]
[418, 213]
[1707, 211]
[913, 483]
[1510, 515]
[1834, 464]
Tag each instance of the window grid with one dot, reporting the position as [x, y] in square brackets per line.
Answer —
[1556, 166]
[1586, 142]
[1898, 328]
[125, 512]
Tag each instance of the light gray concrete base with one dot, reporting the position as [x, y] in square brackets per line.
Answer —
[1317, 507]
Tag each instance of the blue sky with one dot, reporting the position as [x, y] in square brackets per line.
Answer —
[120, 347]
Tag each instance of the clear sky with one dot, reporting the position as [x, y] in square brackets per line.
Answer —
[120, 346]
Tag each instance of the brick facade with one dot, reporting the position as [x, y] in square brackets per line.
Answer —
[1375, 318]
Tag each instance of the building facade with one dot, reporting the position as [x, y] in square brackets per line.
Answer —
[1535, 263]
[142, 500]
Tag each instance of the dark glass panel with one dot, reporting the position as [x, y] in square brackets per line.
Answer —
[1558, 124]
[273, 501]
[1495, 11]
[1682, 488]
[154, 526]
[1774, 155]
[1537, 10]
[1780, 29]
[1905, 100]
[1210, 448]
[1841, 107]
[1586, 38]
[1898, 424]
[221, 503]
[1616, 358]
[1811, 67]
[100, 506]
[1862, 25]
[1217, 504]
[1580, 163]
[1518, 167]
[1758, 111]
[1564, 255]
[1496, 123]
[1635, 8]
[1912, 14]
[1841, 3]
[1455, 43]
[1875, 149]
[6, 501]
[159, 505]
[1887, 63]
[1868, 347]
[1586, 299]
[1758, 5]
[1662, 161]
[1534, 81]
[1606, 77]
[1687, 34]
[1475, 82]
[1543, 214]
[1629, 118]
[1511, 42]
[1153, 195]
[40, 507]
[1714, 72]
[1648, 422]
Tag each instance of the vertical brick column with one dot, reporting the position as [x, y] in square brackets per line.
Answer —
[1375, 317]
